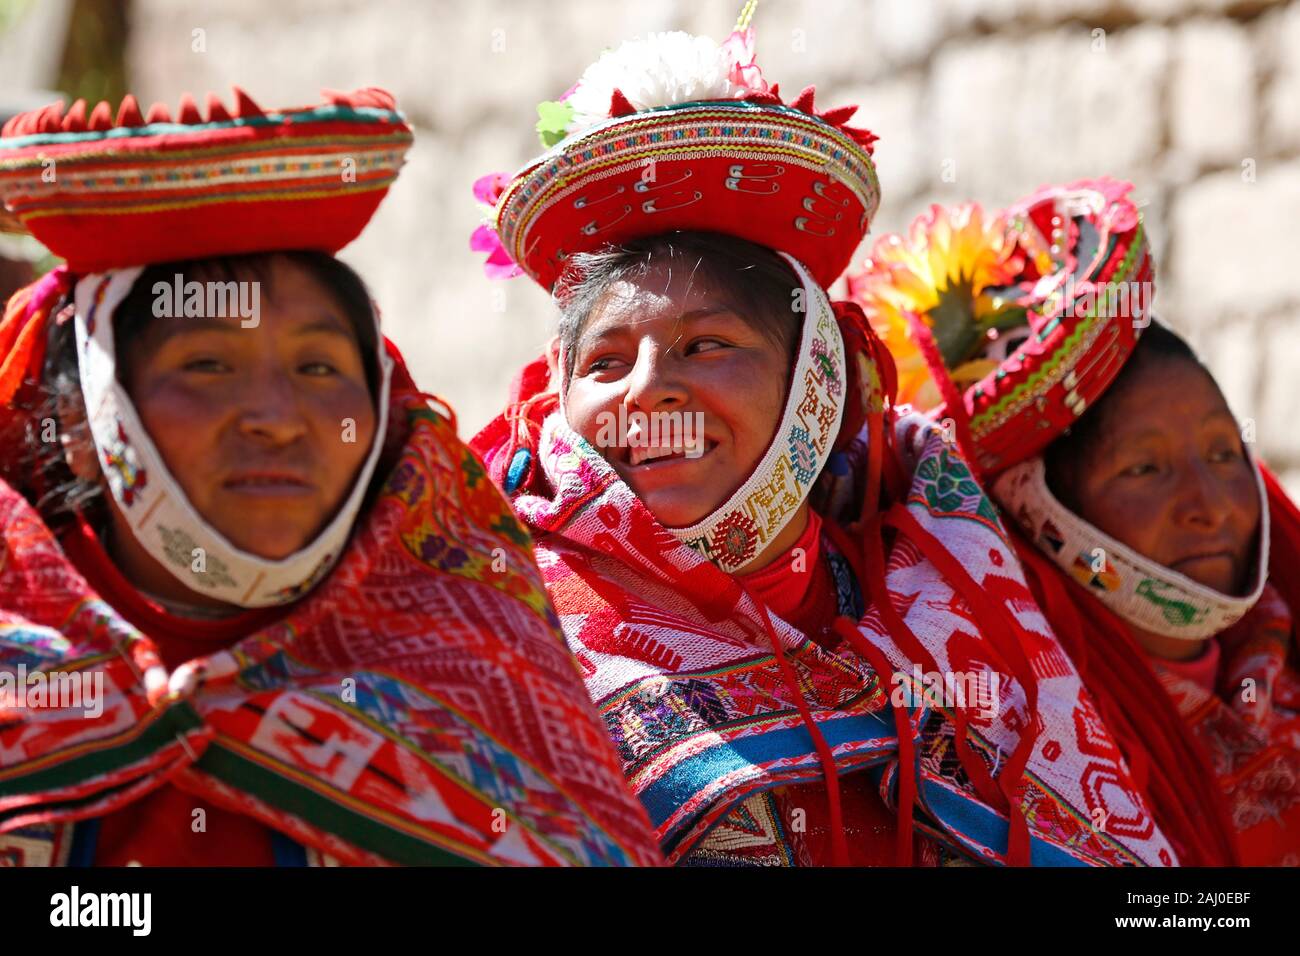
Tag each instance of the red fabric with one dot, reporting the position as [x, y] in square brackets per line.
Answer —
[870, 828]
[158, 830]
[798, 588]
[179, 639]
[1168, 766]
[1250, 725]
[806, 598]
[1201, 670]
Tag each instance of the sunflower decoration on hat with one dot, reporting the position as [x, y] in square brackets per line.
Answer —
[111, 192]
[1012, 324]
[678, 132]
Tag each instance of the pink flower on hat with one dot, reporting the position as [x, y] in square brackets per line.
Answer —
[499, 265]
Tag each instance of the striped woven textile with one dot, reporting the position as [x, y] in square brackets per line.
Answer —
[419, 707]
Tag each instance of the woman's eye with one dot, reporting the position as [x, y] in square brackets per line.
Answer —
[1224, 455]
[318, 368]
[1138, 470]
[206, 365]
[602, 364]
[706, 345]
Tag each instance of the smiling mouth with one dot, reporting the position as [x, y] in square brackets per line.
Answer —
[641, 457]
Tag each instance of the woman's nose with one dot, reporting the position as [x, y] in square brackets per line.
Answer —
[656, 381]
[272, 410]
[1201, 498]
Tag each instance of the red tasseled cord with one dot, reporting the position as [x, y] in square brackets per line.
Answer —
[867, 560]
[848, 630]
[1004, 632]
[1004, 636]
[839, 843]
[954, 406]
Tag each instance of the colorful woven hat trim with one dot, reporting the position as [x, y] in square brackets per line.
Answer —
[151, 189]
[675, 132]
[1046, 271]
[1144, 593]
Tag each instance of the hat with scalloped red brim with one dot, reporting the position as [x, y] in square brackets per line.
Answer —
[105, 193]
[677, 132]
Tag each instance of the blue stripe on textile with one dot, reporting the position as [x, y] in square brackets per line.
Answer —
[685, 779]
[971, 821]
[287, 852]
[85, 836]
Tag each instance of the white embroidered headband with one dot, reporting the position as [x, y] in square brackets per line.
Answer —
[161, 518]
[762, 507]
[1144, 593]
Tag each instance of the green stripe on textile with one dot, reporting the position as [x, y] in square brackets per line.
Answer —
[285, 794]
[99, 762]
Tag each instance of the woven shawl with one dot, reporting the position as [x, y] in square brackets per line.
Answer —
[674, 655]
[418, 707]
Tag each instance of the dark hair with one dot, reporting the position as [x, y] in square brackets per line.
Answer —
[64, 493]
[752, 279]
[1157, 345]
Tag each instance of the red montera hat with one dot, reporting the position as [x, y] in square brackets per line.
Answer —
[678, 132]
[1020, 321]
[107, 194]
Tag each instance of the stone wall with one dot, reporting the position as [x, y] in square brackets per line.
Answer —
[1195, 101]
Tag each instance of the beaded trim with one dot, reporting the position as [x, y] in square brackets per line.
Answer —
[760, 509]
[1144, 593]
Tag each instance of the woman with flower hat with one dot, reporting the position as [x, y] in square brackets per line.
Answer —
[1162, 552]
[769, 576]
[302, 623]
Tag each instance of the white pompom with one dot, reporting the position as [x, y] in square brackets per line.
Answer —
[663, 69]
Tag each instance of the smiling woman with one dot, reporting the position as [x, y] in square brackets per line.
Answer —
[741, 613]
[685, 324]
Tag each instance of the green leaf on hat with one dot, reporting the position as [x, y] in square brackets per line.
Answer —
[553, 121]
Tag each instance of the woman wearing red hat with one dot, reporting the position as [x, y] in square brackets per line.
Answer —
[300, 622]
[797, 613]
[1161, 550]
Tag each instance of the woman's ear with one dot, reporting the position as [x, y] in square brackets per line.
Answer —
[74, 436]
[553, 363]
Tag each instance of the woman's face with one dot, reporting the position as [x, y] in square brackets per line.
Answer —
[254, 422]
[1169, 478]
[664, 344]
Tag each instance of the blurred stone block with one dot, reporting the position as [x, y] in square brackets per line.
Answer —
[1212, 99]
[1234, 251]
[1281, 34]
